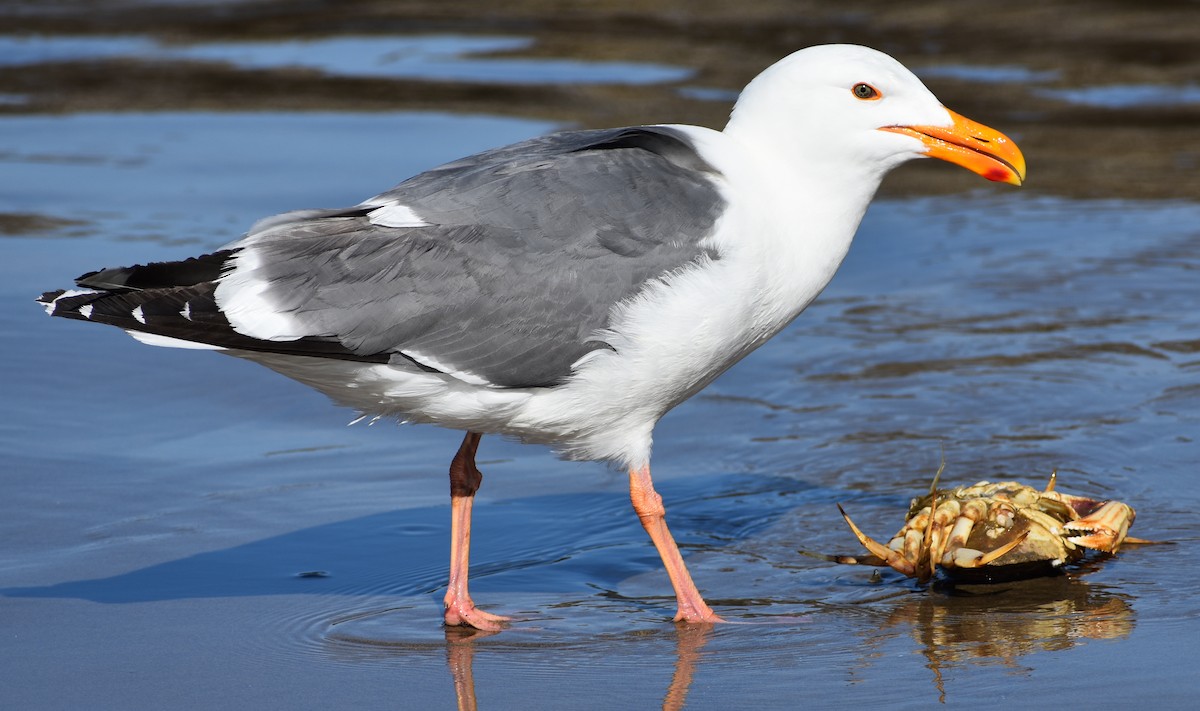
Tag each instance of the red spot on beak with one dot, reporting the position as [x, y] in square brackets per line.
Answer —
[997, 175]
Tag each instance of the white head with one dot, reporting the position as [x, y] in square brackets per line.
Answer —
[857, 112]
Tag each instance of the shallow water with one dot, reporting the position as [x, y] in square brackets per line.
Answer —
[427, 57]
[183, 530]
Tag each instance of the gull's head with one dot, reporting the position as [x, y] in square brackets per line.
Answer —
[846, 105]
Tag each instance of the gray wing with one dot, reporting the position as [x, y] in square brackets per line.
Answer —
[523, 252]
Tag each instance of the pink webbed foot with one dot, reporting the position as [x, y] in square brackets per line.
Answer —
[695, 616]
[462, 612]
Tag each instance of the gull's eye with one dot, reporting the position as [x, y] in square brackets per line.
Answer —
[866, 92]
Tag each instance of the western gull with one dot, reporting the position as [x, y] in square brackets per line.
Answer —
[567, 290]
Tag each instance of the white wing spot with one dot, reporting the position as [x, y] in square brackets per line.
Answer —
[66, 295]
[393, 214]
[141, 317]
[153, 339]
[85, 311]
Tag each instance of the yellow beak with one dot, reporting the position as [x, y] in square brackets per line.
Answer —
[972, 145]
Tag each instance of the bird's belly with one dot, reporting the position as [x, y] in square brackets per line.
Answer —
[666, 346]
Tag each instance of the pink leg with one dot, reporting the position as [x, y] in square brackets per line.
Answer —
[648, 505]
[464, 482]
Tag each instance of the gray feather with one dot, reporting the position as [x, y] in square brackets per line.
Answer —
[529, 247]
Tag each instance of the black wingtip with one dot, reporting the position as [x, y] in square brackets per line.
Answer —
[158, 275]
[48, 297]
[107, 279]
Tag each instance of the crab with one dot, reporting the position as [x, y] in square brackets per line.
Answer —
[1002, 531]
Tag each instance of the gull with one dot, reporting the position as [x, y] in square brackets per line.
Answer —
[567, 290]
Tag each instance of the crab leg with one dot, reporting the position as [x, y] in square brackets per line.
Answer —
[945, 513]
[933, 531]
[972, 512]
[893, 558]
[971, 558]
[926, 561]
[913, 545]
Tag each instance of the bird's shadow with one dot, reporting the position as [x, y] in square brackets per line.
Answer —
[551, 543]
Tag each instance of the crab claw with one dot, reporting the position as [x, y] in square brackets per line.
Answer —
[1103, 529]
[892, 558]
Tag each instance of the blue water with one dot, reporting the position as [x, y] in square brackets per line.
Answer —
[443, 58]
[1124, 96]
[186, 530]
[1003, 74]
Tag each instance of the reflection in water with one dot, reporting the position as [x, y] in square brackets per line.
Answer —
[980, 625]
[954, 627]
[460, 658]
[958, 632]
[689, 641]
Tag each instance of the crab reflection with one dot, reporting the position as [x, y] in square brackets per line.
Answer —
[967, 625]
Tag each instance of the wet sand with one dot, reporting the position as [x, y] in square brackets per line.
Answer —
[183, 530]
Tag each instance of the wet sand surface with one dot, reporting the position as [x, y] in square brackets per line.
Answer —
[184, 530]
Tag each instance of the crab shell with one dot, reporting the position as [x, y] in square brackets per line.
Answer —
[997, 531]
